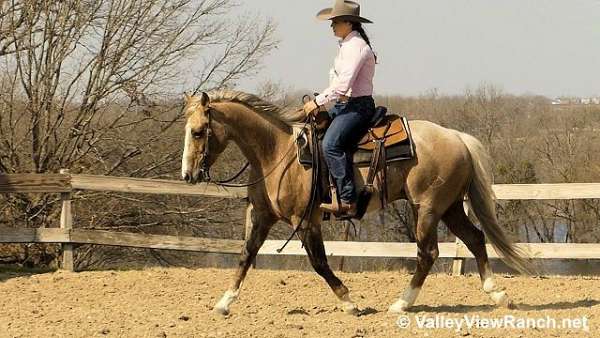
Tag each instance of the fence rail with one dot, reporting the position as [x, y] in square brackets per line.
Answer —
[294, 248]
[56, 183]
[66, 184]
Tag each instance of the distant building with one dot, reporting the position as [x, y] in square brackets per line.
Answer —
[575, 100]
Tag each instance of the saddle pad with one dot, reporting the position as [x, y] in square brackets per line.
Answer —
[399, 151]
[394, 153]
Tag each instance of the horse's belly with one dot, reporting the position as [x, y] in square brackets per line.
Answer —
[396, 176]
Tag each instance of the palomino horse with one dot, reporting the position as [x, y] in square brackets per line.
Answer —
[448, 166]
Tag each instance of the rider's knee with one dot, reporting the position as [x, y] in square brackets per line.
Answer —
[330, 144]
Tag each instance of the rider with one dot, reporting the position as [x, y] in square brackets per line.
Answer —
[351, 88]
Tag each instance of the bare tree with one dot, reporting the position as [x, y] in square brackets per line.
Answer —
[95, 86]
[15, 19]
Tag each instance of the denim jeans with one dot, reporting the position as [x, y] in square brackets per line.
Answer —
[350, 122]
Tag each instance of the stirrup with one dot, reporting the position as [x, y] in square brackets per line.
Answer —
[339, 212]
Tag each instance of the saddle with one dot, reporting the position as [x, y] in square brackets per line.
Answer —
[390, 128]
[387, 140]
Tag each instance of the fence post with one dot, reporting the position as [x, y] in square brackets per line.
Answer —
[66, 222]
[458, 265]
[346, 238]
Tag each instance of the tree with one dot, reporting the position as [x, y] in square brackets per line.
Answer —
[82, 82]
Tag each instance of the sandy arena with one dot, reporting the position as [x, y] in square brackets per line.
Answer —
[178, 303]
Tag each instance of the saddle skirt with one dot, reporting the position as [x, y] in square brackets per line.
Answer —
[391, 128]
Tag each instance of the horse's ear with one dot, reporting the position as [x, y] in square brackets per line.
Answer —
[205, 100]
[187, 97]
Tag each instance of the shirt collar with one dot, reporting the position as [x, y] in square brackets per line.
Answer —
[348, 37]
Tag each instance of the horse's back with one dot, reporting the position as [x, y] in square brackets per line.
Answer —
[443, 164]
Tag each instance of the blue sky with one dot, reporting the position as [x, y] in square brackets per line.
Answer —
[546, 47]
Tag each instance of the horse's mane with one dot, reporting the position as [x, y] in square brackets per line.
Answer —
[285, 115]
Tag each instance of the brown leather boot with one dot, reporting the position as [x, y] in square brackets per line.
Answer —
[342, 209]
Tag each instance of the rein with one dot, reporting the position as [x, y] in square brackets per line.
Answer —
[205, 170]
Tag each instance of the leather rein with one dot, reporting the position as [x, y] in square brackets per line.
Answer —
[205, 167]
[205, 170]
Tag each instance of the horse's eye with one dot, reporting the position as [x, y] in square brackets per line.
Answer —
[198, 134]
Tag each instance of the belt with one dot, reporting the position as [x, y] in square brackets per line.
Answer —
[343, 99]
[346, 99]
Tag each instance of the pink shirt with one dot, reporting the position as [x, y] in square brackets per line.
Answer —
[353, 71]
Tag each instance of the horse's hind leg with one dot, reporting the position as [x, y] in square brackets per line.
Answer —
[255, 237]
[458, 222]
[427, 253]
[313, 243]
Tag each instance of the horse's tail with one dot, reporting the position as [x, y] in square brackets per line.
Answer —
[482, 203]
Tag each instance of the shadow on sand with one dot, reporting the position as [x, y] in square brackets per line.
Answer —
[9, 272]
[583, 303]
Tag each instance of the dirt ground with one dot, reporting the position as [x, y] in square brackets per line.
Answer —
[178, 303]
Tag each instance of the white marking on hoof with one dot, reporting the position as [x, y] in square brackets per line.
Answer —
[498, 296]
[349, 306]
[222, 306]
[398, 307]
[489, 285]
[407, 300]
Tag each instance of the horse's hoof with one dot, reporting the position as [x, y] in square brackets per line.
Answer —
[353, 311]
[399, 307]
[501, 299]
[221, 311]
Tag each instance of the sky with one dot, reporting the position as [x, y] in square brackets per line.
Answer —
[542, 47]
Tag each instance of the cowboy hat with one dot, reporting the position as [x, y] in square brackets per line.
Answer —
[347, 10]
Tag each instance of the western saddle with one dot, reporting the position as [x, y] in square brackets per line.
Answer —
[387, 140]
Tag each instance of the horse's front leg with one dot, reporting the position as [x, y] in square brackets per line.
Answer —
[255, 237]
[315, 249]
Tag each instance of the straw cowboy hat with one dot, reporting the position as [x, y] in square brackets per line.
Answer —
[347, 10]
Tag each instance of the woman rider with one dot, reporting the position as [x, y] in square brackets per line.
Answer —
[351, 88]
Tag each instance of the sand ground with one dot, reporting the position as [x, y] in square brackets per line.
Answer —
[177, 302]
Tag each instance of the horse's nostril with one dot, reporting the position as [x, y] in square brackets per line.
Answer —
[187, 178]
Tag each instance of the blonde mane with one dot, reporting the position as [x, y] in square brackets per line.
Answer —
[260, 106]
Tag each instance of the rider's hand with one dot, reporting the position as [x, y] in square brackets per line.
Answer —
[311, 107]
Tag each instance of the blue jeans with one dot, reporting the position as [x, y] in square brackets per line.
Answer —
[350, 122]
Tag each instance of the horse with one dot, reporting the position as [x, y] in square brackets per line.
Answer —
[448, 166]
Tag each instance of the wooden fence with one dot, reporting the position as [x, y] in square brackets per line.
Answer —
[65, 184]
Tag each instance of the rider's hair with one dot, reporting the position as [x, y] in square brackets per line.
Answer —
[357, 26]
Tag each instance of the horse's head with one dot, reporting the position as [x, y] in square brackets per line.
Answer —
[205, 139]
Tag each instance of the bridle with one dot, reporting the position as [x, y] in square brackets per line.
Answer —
[205, 168]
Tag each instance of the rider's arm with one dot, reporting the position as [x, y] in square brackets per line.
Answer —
[352, 57]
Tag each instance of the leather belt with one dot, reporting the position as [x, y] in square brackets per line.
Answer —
[343, 99]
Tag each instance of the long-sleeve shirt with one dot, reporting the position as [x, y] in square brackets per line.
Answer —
[353, 71]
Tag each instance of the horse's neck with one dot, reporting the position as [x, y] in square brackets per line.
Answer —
[261, 140]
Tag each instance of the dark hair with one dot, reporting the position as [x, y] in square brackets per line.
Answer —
[357, 26]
